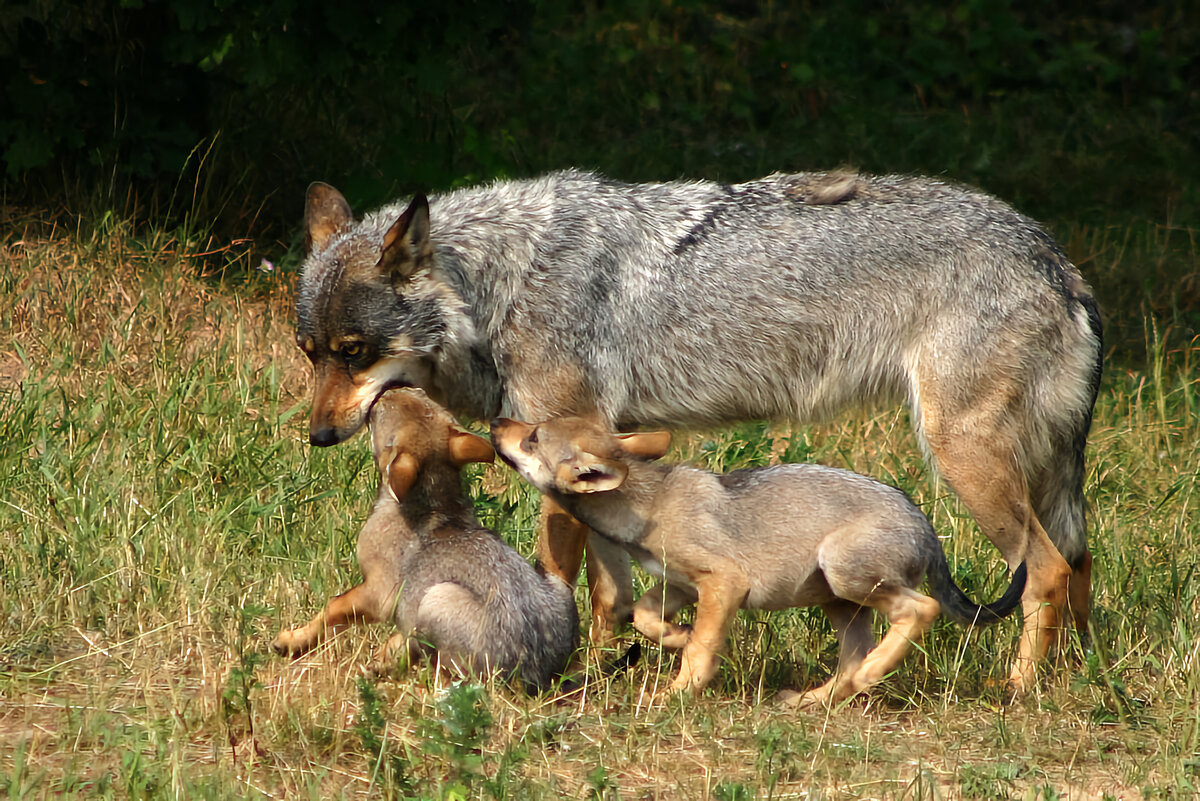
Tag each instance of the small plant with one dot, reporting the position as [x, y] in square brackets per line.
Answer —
[236, 708]
[779, 746]
[389, 770]
[457, 735]
[601, 787]
[992, 781]
[732, 791]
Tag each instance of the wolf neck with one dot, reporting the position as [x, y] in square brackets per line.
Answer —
[624, 514]
[485, 246]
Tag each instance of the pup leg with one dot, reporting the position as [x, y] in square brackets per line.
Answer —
[611, 584]
[455, 621]
[719, 598]
[400, 643]
[853, 626]
[354, 606]
[910, 614]
[653, 612]
[983, 470]
[561, 541]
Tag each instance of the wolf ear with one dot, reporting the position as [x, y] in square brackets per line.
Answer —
[646, 445]
[406, 247]
[466, 448]
[400, 474]
[589, 473]
[325, 213]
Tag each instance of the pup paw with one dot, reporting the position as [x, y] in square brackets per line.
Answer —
[288, 643]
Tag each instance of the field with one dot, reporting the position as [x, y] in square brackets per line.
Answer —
[163, 517]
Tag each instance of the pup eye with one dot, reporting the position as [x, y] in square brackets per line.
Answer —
[531, 440]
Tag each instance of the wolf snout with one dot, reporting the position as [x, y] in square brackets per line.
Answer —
[323, 437]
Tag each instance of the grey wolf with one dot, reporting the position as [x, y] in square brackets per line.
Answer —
[449, 584]
[696, 303]
[760, 538]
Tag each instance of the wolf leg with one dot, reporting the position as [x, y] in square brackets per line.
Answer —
[909, 614]
[561, 542]
[980, 463]
[353, 606]
[610, 581]
[1079, 593]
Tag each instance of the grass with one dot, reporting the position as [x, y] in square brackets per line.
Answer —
[163, 517]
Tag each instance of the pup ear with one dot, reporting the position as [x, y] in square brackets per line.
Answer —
[406, 245]
[466, 447]
[646, 445]
[401, 473]
[326, 212]
[589, 474]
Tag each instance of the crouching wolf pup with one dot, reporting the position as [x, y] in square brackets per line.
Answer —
[696, 303]
[760, 538]
[449, 584]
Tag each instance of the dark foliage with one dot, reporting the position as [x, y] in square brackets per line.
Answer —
[1076, 110]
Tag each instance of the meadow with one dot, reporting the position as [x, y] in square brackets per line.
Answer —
[163, 516]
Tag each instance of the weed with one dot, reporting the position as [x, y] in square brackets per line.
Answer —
[390, 771]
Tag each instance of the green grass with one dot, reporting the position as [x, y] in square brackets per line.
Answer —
[163, 517]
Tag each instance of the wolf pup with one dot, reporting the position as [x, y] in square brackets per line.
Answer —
[760, 538]
[449, 584]
[690, 303]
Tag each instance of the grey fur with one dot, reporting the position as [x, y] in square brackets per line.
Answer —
[684, 303]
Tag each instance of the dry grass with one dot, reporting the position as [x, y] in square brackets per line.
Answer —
[163, 517]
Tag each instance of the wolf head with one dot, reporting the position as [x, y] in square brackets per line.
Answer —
[370, 317]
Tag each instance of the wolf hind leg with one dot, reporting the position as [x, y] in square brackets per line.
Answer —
[1059, 504]
[978, 458]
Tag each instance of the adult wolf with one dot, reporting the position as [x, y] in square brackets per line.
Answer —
[689, 303]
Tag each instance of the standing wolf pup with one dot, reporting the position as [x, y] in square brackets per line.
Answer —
[692, 303]
[448, 583]
[762, 538]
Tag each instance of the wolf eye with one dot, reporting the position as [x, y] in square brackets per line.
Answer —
[351, 349]
[531, 440]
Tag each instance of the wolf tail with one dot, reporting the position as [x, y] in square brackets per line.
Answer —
[1057, 488]
[961, 609]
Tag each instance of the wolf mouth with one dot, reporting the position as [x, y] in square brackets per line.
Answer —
[392, 383]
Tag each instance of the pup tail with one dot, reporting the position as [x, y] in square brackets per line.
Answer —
[620, 664]
[961, 609]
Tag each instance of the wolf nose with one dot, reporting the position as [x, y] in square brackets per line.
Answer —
[323, 437]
